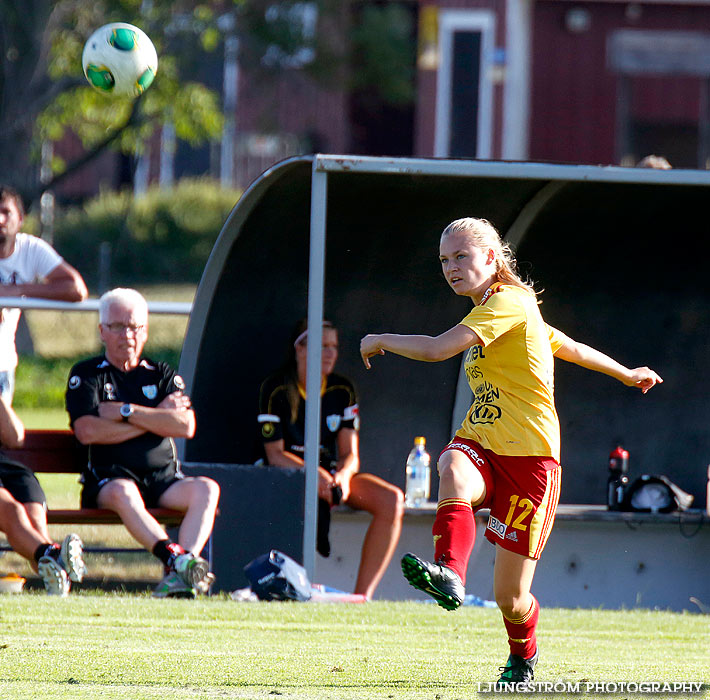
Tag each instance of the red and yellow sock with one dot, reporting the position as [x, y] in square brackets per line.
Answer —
[454, 533]
[522, 637]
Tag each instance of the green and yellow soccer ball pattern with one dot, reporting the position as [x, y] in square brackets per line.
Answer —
[120, 59]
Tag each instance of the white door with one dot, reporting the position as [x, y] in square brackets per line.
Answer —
[464, 95]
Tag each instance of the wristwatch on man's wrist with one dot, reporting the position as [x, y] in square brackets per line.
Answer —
[126, 411]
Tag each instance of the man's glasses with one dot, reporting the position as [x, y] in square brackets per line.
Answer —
[123, 328]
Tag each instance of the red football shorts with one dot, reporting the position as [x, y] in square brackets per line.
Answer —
[522, 493]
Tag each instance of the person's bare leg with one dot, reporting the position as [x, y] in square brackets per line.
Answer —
[18, 528]
[38, 517]
[198, 498]
[386, 504]
[512, 578]
[123, 497]
[459, 478]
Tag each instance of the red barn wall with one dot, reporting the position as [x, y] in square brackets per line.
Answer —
[574, 93]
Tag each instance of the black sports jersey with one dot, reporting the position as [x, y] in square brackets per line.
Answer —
[339, 410]
[95, 380]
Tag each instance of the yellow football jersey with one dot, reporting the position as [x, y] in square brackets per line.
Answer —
[512, 376]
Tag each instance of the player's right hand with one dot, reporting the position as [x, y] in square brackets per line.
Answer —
[370, 346]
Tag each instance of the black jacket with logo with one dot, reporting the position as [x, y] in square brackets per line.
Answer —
[95, 380]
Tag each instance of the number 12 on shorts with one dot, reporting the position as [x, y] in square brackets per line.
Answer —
[525, 506]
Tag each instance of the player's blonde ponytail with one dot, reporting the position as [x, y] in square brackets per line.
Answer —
[484, 235]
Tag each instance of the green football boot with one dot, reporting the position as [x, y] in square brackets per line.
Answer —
[438, 581]
[518, 670]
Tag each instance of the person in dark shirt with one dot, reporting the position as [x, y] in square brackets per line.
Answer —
[282, 425]
[128, 409]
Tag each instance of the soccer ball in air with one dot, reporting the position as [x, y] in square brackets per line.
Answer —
[119, 59]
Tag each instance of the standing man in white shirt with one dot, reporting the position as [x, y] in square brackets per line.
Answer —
[29, 267]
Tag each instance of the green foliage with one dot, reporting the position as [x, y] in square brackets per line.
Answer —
[190, 106]
[43, 93]
[41, 382]
[383, 51]
[165, 235]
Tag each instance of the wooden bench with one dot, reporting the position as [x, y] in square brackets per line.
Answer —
[59, 452]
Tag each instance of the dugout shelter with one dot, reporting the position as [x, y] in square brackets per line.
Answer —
[620, 254]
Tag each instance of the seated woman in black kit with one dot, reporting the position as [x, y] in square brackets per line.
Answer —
[282, 426]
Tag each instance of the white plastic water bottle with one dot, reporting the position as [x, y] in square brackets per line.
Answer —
[418, 475]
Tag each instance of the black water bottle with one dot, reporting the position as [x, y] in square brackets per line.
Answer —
[618, 478]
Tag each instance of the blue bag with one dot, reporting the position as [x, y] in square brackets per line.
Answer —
[275, 576]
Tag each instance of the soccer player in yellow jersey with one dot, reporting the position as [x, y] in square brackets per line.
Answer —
[506, 454]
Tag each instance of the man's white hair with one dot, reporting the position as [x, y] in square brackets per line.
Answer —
[128, 298]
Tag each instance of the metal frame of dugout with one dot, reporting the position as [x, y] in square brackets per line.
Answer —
[620, 252]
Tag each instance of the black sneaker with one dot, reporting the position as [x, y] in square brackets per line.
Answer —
[518, 670]
[437, 580]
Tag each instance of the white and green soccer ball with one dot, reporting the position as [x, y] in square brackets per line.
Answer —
[120, 59]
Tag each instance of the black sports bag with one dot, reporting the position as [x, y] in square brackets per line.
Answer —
[275, 576]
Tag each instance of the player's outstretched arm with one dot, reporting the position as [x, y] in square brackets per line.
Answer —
[580, 354]
[426, 348]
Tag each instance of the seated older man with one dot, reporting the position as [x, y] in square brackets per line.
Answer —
[128, 409]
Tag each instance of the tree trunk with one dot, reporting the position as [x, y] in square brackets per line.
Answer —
[24, 45]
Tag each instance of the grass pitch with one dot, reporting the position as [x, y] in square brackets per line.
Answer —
[130, 646]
